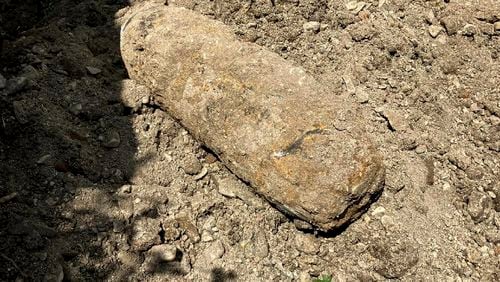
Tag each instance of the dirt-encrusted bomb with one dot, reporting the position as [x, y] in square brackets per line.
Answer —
[270, 122]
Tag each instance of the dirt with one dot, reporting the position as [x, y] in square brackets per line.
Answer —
[97, 183]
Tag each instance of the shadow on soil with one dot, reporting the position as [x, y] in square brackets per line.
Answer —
[65, 133]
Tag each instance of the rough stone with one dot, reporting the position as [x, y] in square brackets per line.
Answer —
[231, 187]
[112, 139]
[479, 205]
[145, 234]
[434, 30]
[496, 26]
[191, 165]
[93, 70]
[215, 251]
[232, 96]
[452, 24]
[163, 252]
[311, 26]
[15, 85]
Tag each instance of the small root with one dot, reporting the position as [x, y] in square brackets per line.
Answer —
[7, 198]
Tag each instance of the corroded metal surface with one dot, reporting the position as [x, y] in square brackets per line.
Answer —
[270, 122]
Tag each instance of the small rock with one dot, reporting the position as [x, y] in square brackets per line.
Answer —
[206, 236]
[232, 187]
[311, 26]
[351, 5]
[496, 26]
[302, 225]
[202, 174]
[189, 228]
[421, 149]
[469, 30]
[76, 108]
[93, 70]
[478, 206]
[192, 165]
[355, 6]
[3, 82]
[307, 243]
[163, 252]
[434, 30]
[362, 97]
[378, 212]
[145, 100]
[43, 159]
[430, 17]
[452, 24]
[260, 245]
[145, 234]
[112, 139]
[126, 189]
[215, 251]
[15, 85]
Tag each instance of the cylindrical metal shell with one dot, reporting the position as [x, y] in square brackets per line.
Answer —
[271, 123]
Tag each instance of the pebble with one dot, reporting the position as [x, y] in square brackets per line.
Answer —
[202, 174]
[126, 189]
[76, 109]
[215, 251]
[451, 24]
[496, 26]
[307, 243]
[311, 26]
[434, 30]
[3, 82]
[206, 236]
[478, 206]
[302, 225]
[362, 97]
[164, 252]
[15, 85]
[261, 246]
[43, 159]
[112, 140]
[93, 70]
[378, 212]
[421, 149]
[469, 30]
[233, 188]
[145, 234]
[355, 6]
[192, 165]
